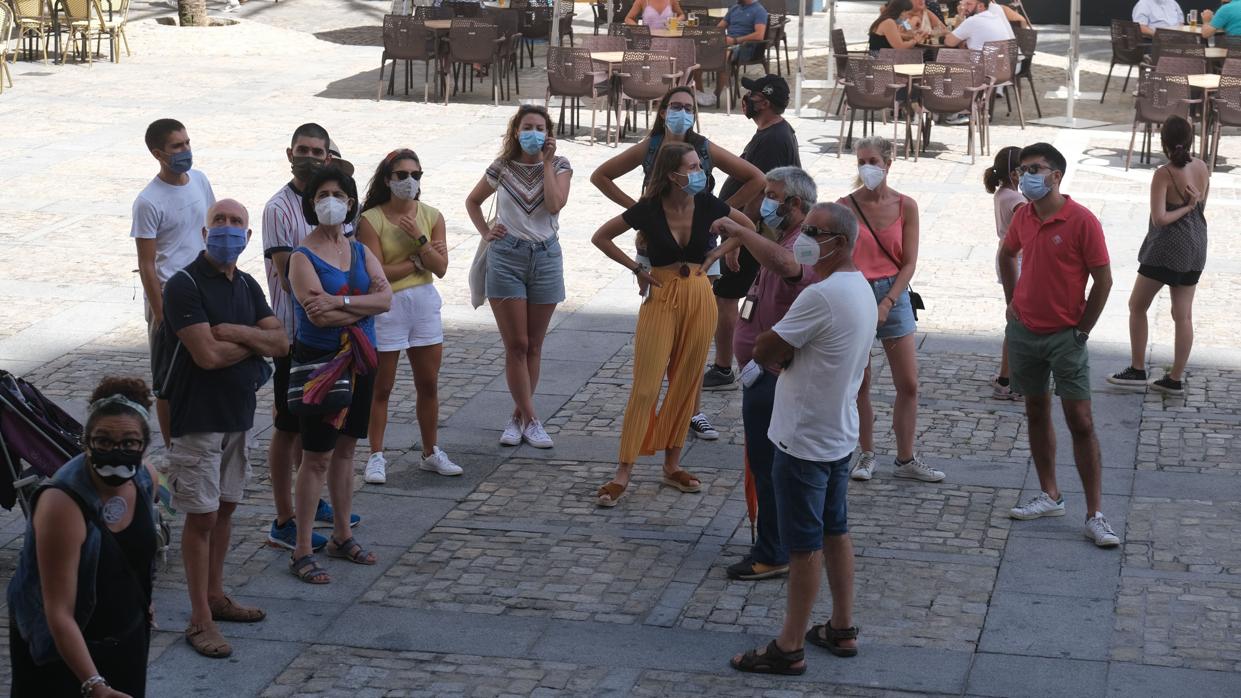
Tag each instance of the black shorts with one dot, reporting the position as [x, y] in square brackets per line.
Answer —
[318, 436]
[284, 420]
[1165, 275]
[733, 285]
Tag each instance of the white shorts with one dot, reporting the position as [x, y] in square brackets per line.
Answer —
[412, 321]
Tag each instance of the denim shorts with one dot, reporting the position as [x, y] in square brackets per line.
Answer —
[811, 499]
[531, 271]
[901, 317]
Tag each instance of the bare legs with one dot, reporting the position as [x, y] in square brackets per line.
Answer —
[1144, 292]
[425, 362]
[523, 327]
[335, 466]
[1086, 454]
[283, 451]
[903, 363]
[385, 379]
[725, 323]
[1183, 317]
[204, 545]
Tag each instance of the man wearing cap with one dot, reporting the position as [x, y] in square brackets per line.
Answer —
[773, 145]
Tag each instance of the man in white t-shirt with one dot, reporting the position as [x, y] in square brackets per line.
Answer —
[979, 26]
[168, 219]
[823, 344]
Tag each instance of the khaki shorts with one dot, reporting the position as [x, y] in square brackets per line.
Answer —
[207, 468]
[1033, 358]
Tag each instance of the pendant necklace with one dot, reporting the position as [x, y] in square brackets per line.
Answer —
[114, 510]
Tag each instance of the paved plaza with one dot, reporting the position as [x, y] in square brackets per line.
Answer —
[508, 580]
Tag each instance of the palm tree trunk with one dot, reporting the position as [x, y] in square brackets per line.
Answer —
[193, 13]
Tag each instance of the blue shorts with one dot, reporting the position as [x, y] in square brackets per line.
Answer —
[531, 271]
[811, 500]
[901, 317]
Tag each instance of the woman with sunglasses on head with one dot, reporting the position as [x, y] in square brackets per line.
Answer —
[677, 319]
[80, 599]
[525, 266]
[887, 254]
[407, 236]
[1001, 181]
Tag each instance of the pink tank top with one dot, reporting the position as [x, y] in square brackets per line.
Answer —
[867, 256]
[654, 18]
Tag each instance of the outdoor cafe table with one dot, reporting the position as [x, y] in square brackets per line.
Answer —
[910, 71]
[439, 25]
[666, 33]
[1208, 83]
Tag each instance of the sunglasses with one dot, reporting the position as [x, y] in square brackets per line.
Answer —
[815, 232]
[681, 107]
[403, 175]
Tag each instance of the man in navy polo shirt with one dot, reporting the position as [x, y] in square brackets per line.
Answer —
[223, 322]
[745, 21]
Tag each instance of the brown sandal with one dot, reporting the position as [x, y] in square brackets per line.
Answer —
[683, 480]
[829, 638]
[207, 641]
[352, 551]
[230, 611]
[610, 494]
[308, 569]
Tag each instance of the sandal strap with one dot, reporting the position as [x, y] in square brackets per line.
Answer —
[684, 477]
[306, 566]
[612, 490]
[774, 651]
[831, 633]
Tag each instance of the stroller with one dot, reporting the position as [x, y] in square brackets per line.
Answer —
[36, 432]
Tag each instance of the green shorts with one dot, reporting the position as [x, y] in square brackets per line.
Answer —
[1032, 358]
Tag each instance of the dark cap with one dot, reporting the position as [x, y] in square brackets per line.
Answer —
[342, 164]
[773, 87]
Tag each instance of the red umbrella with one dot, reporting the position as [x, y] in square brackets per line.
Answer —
[751, 495]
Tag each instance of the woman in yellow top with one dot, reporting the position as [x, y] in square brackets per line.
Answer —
[407, 236]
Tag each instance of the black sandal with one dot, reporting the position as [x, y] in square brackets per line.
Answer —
[828, 638]
[772, 661]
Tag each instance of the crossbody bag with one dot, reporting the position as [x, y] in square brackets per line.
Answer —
[915, 298]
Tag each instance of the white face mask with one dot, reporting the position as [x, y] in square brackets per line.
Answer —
[405, 188]
[872, 176]
[806, 251]
[331, 210]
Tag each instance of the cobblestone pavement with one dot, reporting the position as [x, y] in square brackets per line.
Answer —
[508, 580]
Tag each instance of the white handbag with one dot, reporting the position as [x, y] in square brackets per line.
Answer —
[478, 274]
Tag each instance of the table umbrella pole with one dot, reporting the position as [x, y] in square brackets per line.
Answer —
[801, 35]
[1069, 120]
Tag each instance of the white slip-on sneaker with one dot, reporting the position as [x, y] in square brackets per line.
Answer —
[376, 469]
[512, 433]
[915, 469]
[864, 468]
[439, 463]
[1100, 532]
[536, 436]
[1042, 505]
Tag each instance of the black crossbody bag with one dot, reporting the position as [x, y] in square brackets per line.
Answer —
[915, 298]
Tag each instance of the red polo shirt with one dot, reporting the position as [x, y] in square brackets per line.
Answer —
[1057, 255]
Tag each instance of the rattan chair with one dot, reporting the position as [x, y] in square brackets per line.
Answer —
[1159, 98]
[425, 12]
[571, 75]
[34, 24]
[1225, 110]
[1128, 49]
[841, 54]
[949, 89]
[1232, 66]
[900, 56]
[407, 39]
[463, 8]
[870, 86]
[711, 55]
[961, 56]
[1027, 44]
[637, 37]
[114, 23]
[783, 41]
[83, 19]
[645, 77]
[1180, 65]
[6, 30]
[999, 65]
[603, 44]
[683, 52]
[475, 43]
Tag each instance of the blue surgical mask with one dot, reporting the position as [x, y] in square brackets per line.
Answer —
[225, 243]
[181, 162]
[679, 122]
[1034, 186]
[531, 141]
[769, 210]
[695, 182]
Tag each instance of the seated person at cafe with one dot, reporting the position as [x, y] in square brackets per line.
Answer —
[745, 21]
[978, 27]
[1226, 21]
[1158, 14]
[654, 13]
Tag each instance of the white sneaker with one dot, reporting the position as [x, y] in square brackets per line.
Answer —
[1042, 505]
[701, 428]
[864, 468]
[704, 99]
[915, 469]
[1101, 533]
[512, 433]
[439, 463]
[536, 436]
[376, 469]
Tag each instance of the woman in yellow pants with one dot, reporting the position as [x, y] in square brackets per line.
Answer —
[677, 319]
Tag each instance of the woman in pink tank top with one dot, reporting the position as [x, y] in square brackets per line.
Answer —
[655, 13]
[887, 253]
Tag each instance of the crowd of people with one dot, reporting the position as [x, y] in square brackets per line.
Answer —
[792, 287]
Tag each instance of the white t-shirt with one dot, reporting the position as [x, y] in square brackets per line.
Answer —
[519, 198]
[284, 228]
[831, 326]
[174, 216]
[978, 29]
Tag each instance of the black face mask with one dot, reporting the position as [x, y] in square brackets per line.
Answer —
[748, 108]
[304, 167]
[115, 467]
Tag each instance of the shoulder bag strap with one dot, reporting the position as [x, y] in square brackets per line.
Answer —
[875, 235]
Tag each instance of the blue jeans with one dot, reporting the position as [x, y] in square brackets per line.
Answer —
[812, 498]
[757, 402]
[531, 271]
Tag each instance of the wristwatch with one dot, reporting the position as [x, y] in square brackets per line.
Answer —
[344, 301]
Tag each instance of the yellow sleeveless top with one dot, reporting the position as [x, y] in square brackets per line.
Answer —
[397, 245]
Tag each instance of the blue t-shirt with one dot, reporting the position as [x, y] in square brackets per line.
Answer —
[1228, 19]
[742, 18]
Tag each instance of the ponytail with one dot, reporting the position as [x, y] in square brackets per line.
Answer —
[1177, 136]
[1000, 173]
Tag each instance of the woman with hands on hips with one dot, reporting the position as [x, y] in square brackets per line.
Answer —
[525, 265]
[677, 319]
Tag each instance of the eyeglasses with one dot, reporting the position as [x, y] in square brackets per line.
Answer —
[103, 443]
[1033, 169]
[681, 107]
[403, 175]
[814, 232]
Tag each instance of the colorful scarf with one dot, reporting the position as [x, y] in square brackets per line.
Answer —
[356, 355]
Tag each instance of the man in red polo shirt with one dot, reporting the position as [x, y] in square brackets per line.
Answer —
[1050, 316]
